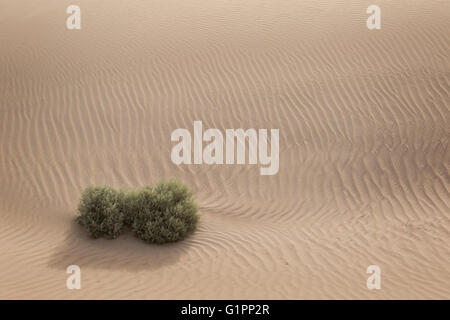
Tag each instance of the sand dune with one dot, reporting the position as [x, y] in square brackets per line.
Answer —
[364, 146]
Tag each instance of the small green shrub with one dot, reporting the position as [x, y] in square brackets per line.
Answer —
[99, 212]
[128, 205]
[166, 213]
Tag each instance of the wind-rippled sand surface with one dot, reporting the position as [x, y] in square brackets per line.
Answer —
[364, 119]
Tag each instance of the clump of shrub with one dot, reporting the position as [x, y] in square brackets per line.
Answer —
[166, 213]
[100, 212]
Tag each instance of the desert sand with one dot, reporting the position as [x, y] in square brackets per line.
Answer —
[364, 173]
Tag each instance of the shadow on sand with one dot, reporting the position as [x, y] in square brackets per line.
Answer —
[124, 253]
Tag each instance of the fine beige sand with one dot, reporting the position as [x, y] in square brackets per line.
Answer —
[364, 119]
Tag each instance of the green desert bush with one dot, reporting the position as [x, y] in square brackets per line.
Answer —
[166, 213]
[99, 212]
[128, 205]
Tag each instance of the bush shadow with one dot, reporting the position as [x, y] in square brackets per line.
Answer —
[126, 252]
